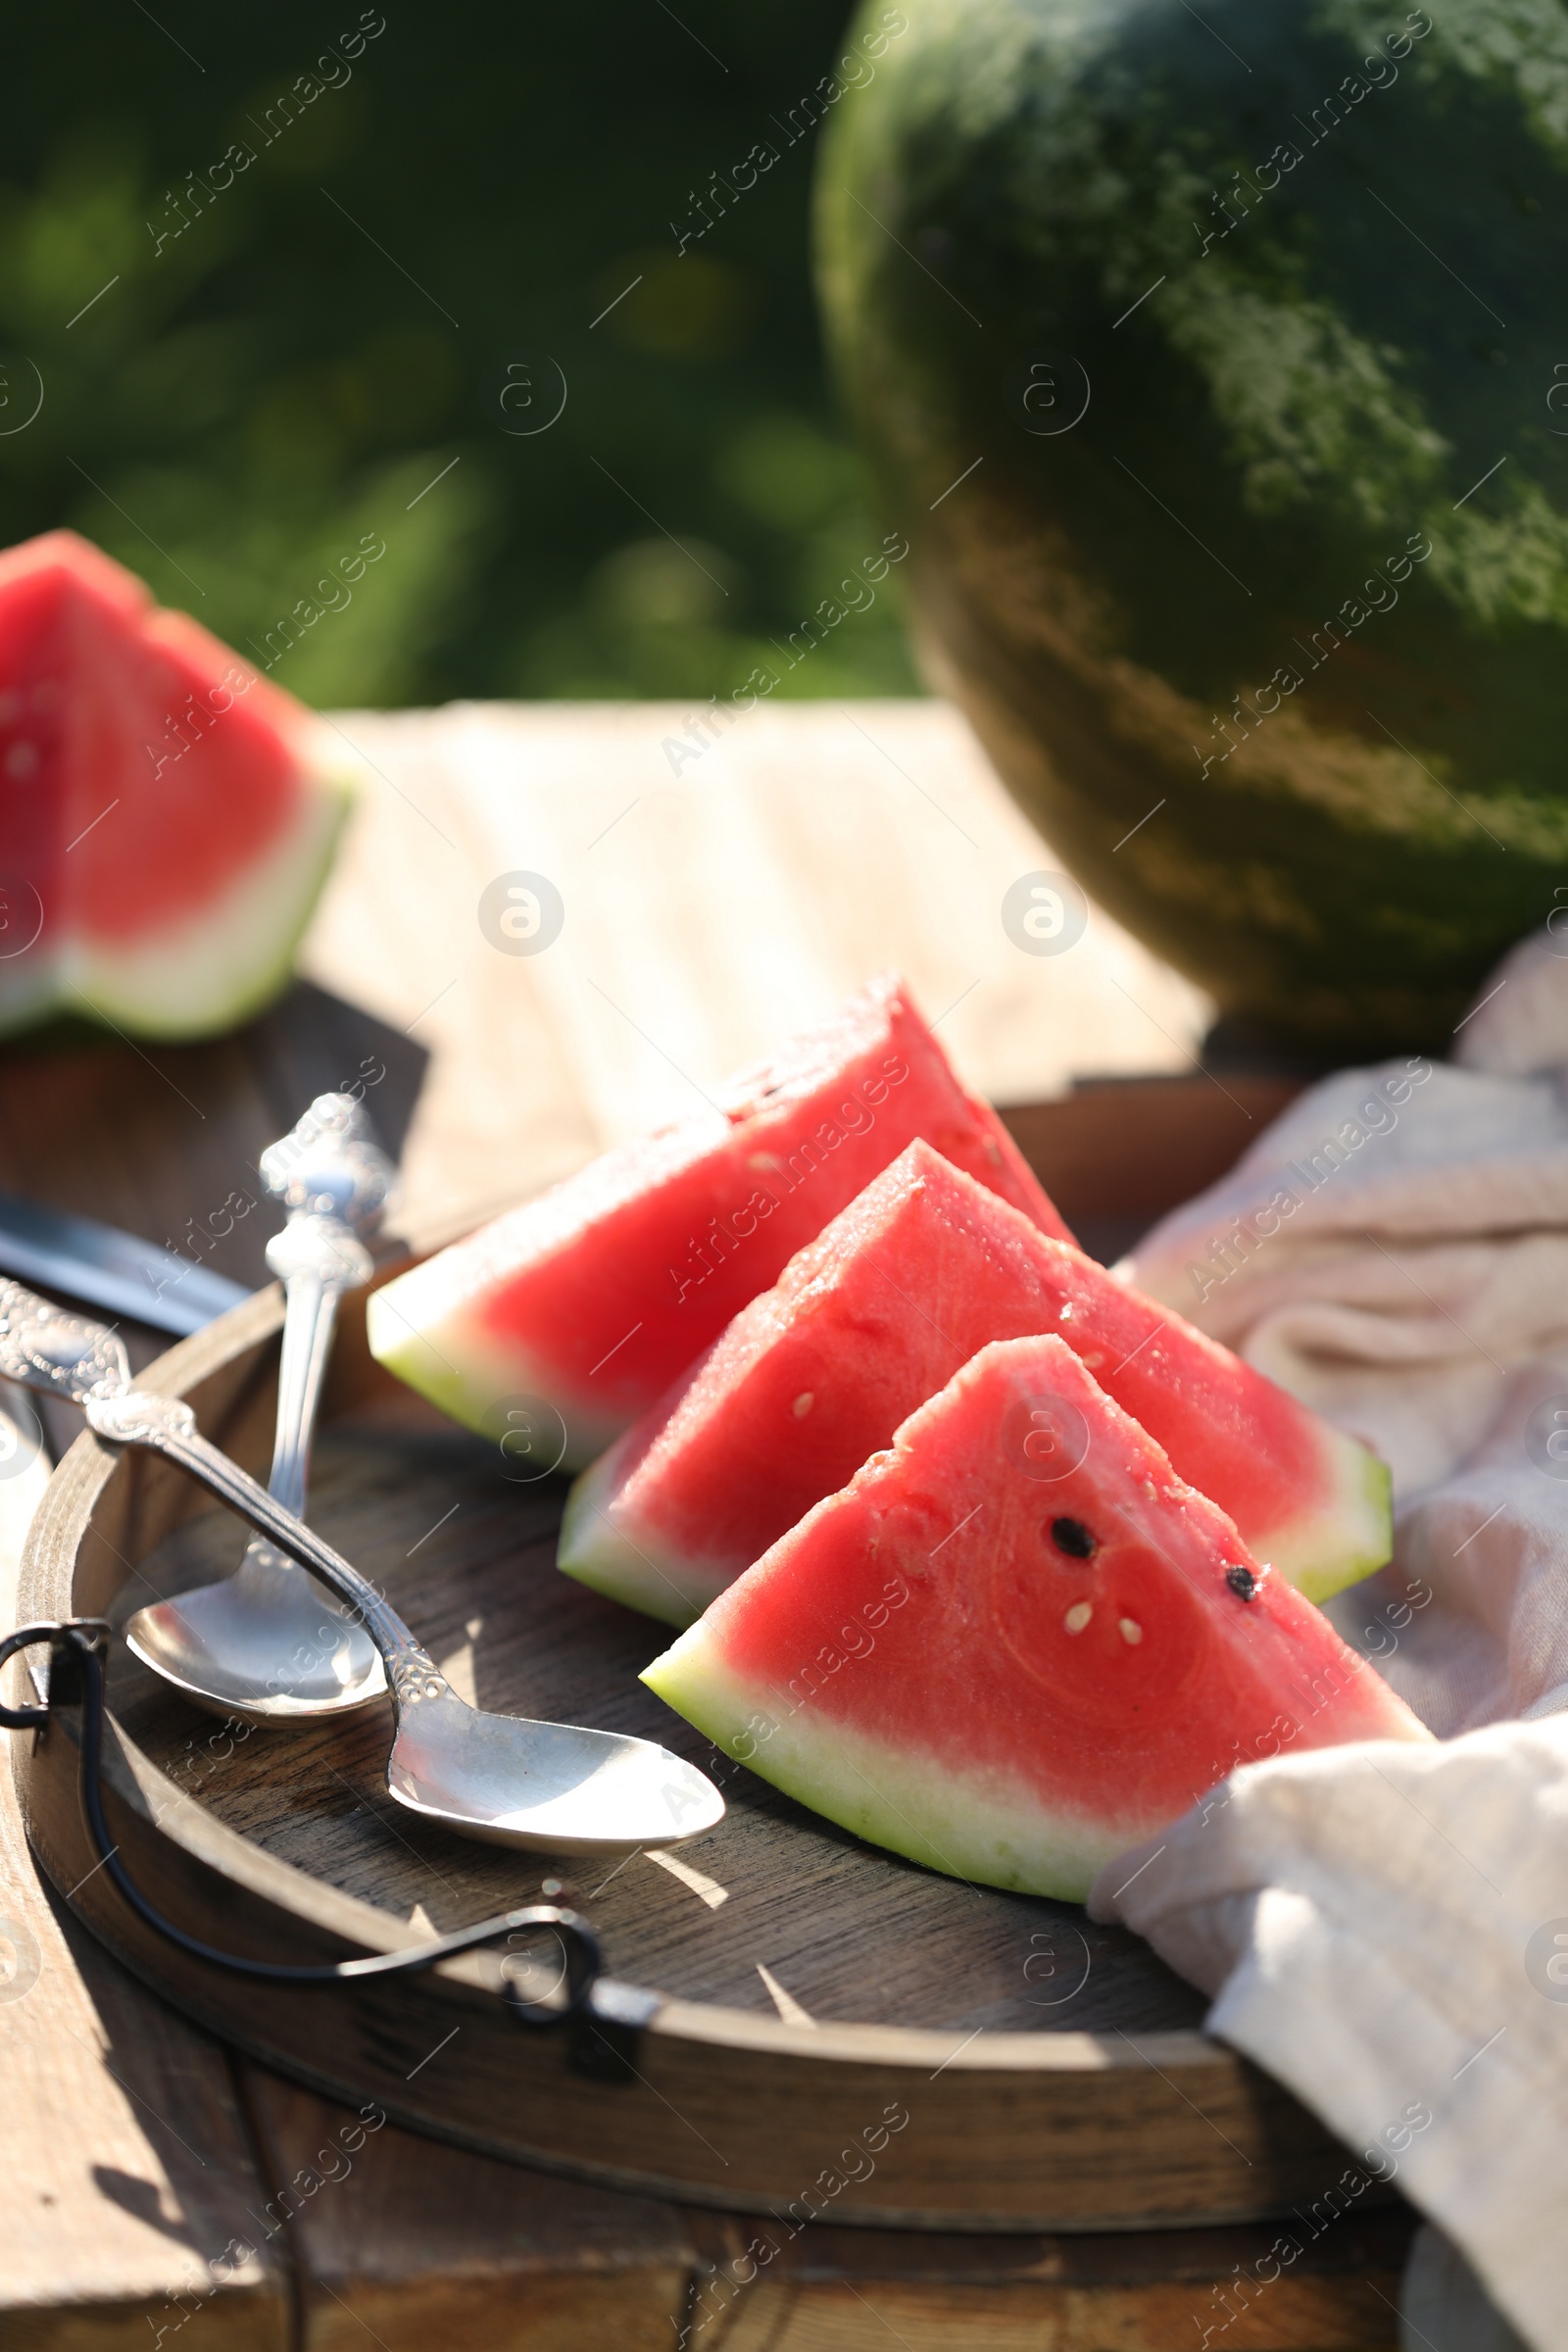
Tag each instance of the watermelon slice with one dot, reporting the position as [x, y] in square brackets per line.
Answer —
[591, 1299]
[1012, 1677]
[870, 1320]
[166, 816]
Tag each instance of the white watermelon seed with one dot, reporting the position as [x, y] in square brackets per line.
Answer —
[1131, 1629]
[1078, 1616]
[803, 1404]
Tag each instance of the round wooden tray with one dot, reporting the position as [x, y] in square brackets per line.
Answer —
[918, 2051]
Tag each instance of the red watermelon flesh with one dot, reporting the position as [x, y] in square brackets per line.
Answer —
[579, 1309]
[870, 1320]
[1012, 1677]
[166, 816]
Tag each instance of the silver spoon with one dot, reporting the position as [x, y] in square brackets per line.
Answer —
[266, 1644]
[547, 1786]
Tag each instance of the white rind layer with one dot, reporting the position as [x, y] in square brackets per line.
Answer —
[969, 1825]
[205, 973]
[595, 1553]
[1344, 1541]
[419, 1330]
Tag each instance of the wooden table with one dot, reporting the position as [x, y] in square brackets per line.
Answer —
[144, 2165]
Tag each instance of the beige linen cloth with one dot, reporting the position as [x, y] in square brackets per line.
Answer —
[1385, 1928]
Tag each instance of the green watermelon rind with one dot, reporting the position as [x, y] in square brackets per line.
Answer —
[981, 1832]
[1363, 1513]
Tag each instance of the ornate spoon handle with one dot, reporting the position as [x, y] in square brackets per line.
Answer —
[334, 1178]
[164, 1425]
[315, 1271]
[66, 1356]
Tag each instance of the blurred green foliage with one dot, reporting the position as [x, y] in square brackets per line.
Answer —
[247, 365]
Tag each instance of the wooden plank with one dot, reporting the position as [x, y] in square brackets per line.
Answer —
[127, 2190]
[707, 909]
[416, 2243]
[833, 2317]
[1269, 2288]
[412, 2245]
[503, 1109]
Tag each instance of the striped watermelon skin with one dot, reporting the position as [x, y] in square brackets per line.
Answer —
[166, 815]
[1212, 360]
[1010, 1679]
[915, 1276]
[590, 1301]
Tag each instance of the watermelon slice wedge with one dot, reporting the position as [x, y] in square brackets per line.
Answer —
[1012, 1677]
[870, 1320]
[166, 816]
[573, 1313]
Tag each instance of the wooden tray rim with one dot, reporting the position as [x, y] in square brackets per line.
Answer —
[989, 2159]
[81, 1480]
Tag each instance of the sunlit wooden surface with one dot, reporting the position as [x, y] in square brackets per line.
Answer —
[712, 902]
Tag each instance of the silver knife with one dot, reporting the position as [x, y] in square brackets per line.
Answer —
[106, 1268]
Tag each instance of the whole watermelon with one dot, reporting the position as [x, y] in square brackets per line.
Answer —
[1215, 363]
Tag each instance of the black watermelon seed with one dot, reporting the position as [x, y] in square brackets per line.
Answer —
[1242, 1581]
[1073, 1537]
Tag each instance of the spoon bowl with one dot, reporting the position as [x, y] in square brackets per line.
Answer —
[551, 1787]
[265, 1645]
